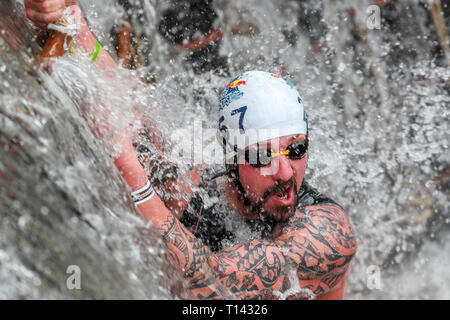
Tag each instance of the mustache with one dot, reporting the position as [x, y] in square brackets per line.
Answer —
[280, 187]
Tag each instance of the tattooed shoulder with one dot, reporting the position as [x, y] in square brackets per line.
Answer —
[316, 246]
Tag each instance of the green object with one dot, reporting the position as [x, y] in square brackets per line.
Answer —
[95, 54]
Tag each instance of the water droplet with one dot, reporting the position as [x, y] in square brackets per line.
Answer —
[44, 211]
[23, 221]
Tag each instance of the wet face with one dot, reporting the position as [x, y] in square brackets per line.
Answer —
[273, 188]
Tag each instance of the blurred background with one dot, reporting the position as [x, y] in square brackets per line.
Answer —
[374, 77]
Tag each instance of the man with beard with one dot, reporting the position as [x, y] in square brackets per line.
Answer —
[255, 108]
[298, 234]
[306, 244]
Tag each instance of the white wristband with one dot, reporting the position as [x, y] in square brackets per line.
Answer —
[143, 194]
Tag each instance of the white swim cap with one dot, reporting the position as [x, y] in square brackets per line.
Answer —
[258, 106]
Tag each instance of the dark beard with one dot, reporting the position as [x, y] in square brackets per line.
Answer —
[282, 213]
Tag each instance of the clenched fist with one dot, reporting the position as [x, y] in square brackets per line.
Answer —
[43, 12]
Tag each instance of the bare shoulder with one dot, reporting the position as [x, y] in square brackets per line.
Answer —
[327, 223]
[318, 245]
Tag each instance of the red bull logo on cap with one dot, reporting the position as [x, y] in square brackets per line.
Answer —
[231, 92]
[236, 83]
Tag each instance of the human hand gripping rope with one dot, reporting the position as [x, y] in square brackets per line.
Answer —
[64, 37]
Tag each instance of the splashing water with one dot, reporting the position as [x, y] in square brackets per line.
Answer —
[377, 102]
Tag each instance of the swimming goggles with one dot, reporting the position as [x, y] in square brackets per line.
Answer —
[259, 158]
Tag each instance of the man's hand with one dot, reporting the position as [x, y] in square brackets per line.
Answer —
[44, 12]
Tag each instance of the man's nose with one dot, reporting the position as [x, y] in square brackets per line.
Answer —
[282, 170]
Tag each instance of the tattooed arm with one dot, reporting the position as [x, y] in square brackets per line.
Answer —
[314, 252]
[309, 260]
